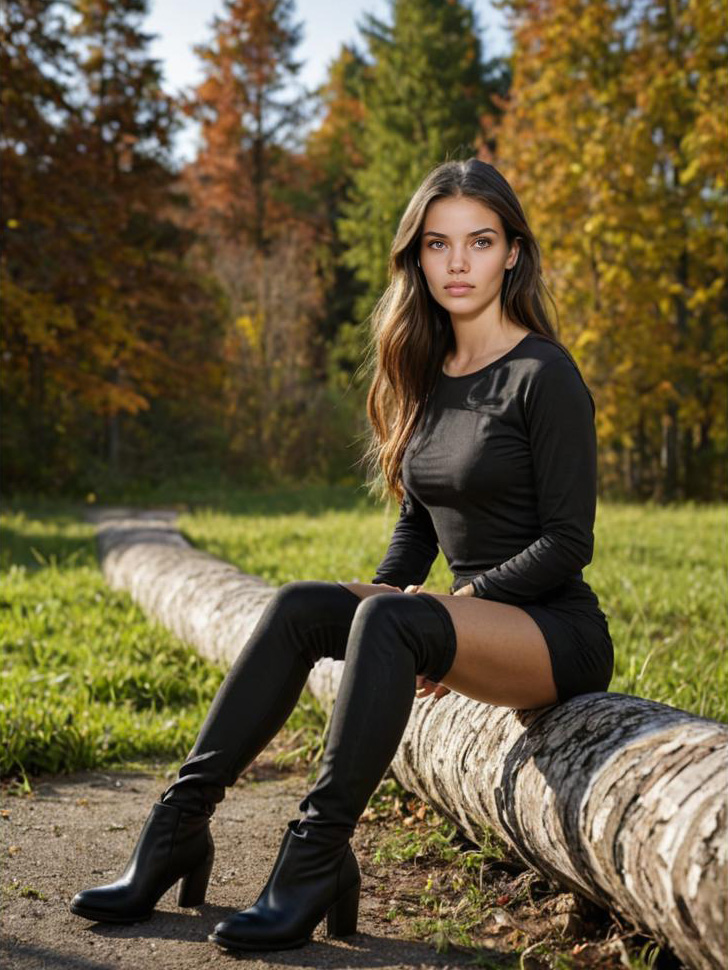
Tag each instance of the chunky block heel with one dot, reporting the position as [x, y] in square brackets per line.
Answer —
[301, 890]
[193, 886]
[173, 845]
[341, 918]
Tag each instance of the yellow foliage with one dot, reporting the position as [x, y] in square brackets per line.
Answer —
[252, 329]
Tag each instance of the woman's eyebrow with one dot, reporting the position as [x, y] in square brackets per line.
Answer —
[475, 232]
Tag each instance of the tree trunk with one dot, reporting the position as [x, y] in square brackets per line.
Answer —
[616, 797]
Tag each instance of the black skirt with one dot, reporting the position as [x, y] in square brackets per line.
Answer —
[576, 633]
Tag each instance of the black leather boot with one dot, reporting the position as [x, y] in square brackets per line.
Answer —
[393, 638]
[173, 845]
[310, 879]
[303, 621]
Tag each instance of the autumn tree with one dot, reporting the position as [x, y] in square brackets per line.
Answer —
[102, 317]
[615, 139]
[249, 186]
[35, 63]
[126, 124]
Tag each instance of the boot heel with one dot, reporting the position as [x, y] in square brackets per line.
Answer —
[341, 918]
[193, 886]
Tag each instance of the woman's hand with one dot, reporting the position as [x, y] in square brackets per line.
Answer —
[465, 591]
[424, 686]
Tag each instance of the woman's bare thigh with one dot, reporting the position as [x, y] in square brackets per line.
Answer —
[501, 656]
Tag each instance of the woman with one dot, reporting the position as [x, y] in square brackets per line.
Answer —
[484, 431]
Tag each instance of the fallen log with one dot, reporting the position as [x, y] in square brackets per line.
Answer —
[618, 798]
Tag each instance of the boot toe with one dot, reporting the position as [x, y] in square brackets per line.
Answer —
[106, 905]
[253, 931]
[173, 845]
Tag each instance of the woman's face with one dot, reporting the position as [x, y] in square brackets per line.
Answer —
[463, 240]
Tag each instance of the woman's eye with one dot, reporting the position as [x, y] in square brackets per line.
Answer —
[483, 239]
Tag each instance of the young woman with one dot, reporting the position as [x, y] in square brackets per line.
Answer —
[483, 429]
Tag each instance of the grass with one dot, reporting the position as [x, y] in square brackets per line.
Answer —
[89, 681]
[659, 573]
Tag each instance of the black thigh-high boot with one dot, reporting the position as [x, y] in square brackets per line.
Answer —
[393, 638]
[303, 621]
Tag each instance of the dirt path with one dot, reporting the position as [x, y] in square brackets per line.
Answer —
[77, 831]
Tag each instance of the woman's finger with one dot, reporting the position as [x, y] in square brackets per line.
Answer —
[425, 688]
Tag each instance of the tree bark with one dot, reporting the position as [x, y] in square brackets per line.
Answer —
[616, 797]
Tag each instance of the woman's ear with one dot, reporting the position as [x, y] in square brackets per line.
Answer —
[513, 254]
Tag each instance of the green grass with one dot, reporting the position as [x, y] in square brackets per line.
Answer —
[660, 574]
[89, 681]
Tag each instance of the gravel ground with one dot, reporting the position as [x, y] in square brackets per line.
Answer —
[76, 831]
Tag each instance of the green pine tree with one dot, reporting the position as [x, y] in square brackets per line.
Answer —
[424, 100]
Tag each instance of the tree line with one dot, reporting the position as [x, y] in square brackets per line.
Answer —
[160, 319]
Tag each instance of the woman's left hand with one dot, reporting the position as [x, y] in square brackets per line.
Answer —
[463, 591]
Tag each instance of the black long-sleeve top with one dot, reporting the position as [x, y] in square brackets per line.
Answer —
[501, 473]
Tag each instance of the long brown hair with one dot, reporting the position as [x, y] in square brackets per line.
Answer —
[411, 334]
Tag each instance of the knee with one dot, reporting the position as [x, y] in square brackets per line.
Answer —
[397, 621]
[303, 598]
[383, 609]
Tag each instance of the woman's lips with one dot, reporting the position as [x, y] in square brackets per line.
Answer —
[459, 290]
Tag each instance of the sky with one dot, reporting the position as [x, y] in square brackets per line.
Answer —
[179, 24]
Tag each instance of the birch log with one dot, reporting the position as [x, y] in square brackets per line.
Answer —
[621, 799]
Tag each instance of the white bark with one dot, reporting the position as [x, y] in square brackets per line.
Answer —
[616, 797]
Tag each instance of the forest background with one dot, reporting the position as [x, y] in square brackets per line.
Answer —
[195, 334]
[166, 321]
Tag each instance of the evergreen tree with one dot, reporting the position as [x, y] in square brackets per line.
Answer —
[426, 99]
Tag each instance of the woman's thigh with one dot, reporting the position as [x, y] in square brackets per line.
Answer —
[501, 658]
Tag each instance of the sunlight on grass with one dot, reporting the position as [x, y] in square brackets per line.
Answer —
[88, 680]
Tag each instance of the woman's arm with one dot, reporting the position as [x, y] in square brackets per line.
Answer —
[413, 547]
[560, 418]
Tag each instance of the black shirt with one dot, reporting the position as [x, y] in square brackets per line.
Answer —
[501, 473]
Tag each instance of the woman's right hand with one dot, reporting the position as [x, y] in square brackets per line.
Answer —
[425, 687]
